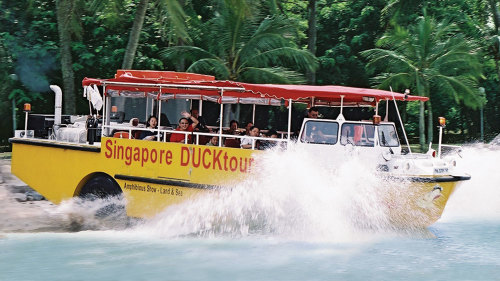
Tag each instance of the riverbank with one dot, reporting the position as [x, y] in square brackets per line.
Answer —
[21, 208]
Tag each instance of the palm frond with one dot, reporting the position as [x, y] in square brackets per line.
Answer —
[277, 25]
[262, 43]
[380, 58]
[275, 75]
[286, 56]
[394, 80]
[176, 18]
[210, 66]
[464, 89]
[190, 53]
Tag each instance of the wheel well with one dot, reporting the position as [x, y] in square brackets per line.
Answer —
[98, 184]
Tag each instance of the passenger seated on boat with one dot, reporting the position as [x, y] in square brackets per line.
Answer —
[214, 141]
[184, 127]
[152, 123]
[248, 125]
[164, 122]
[246, 142]
[313, 132]
[202, 126]
[269, 144]
[134, 122]
[312, 113]
[233, 128]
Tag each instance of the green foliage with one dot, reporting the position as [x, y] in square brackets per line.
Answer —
[339, 66]
[433, 59]
[344, 29]
[432, 55]
[263, 41]
[242, 47]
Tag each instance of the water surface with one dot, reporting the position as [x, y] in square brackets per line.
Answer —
[289, 222]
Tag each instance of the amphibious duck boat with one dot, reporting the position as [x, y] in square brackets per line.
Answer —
[69, 156]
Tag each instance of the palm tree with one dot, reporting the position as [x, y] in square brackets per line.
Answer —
[176, 17]
[242, 47]
[67, 26]
[431, 58]
[311, 35]
[171, 10]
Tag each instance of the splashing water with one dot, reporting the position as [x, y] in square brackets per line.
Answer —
[289, 195]
[293, 195]
[478, 198]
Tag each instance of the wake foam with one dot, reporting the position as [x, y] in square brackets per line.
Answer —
[478, 198]
[293, 195]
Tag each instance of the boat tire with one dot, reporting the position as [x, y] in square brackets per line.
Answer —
[100, 186]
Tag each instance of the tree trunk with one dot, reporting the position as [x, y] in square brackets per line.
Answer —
[494, 11]
[430, 127]
[133, 40]
[64, 11]
[181, 65]
[421, 126]
[496, 21]
[312, 36]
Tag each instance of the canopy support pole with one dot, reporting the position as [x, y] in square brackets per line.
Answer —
[386, 118]
[107, 122]
[159, 119]
[152, 106]
[341, 115]
[200, 107]
[402, 126]
[221, 115]
[253, 115]
[105, 103]
[289, 119]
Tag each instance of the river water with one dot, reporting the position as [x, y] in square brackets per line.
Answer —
[295, 219]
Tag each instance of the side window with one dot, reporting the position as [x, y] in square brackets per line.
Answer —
[320, 132]
[357, 134]
[387, 136]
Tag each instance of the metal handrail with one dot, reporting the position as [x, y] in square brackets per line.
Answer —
[187, 133]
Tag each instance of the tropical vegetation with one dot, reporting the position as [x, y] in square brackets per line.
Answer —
[446, 50]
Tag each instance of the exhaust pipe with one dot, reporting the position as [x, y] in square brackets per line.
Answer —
[58, 104]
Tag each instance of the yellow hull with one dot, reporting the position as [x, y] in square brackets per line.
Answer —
[155, 175]
[422, 202]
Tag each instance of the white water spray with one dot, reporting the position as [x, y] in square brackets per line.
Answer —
[478, 198]
[292, 195]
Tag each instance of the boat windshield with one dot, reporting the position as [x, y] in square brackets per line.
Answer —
[388, 136]
[357, 134]
[320, 132]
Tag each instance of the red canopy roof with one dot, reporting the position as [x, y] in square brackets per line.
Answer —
[166, 85]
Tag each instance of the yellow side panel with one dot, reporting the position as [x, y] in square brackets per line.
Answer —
[53, 172]
[57, 173]
[191, 163]
[148, 199]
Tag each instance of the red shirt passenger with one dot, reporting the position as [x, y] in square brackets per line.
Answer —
[184, 127]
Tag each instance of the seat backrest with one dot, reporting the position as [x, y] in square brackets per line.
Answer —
[136, 134]
[358, 132]
[232, 142]
[204, 139]
[121, 135]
